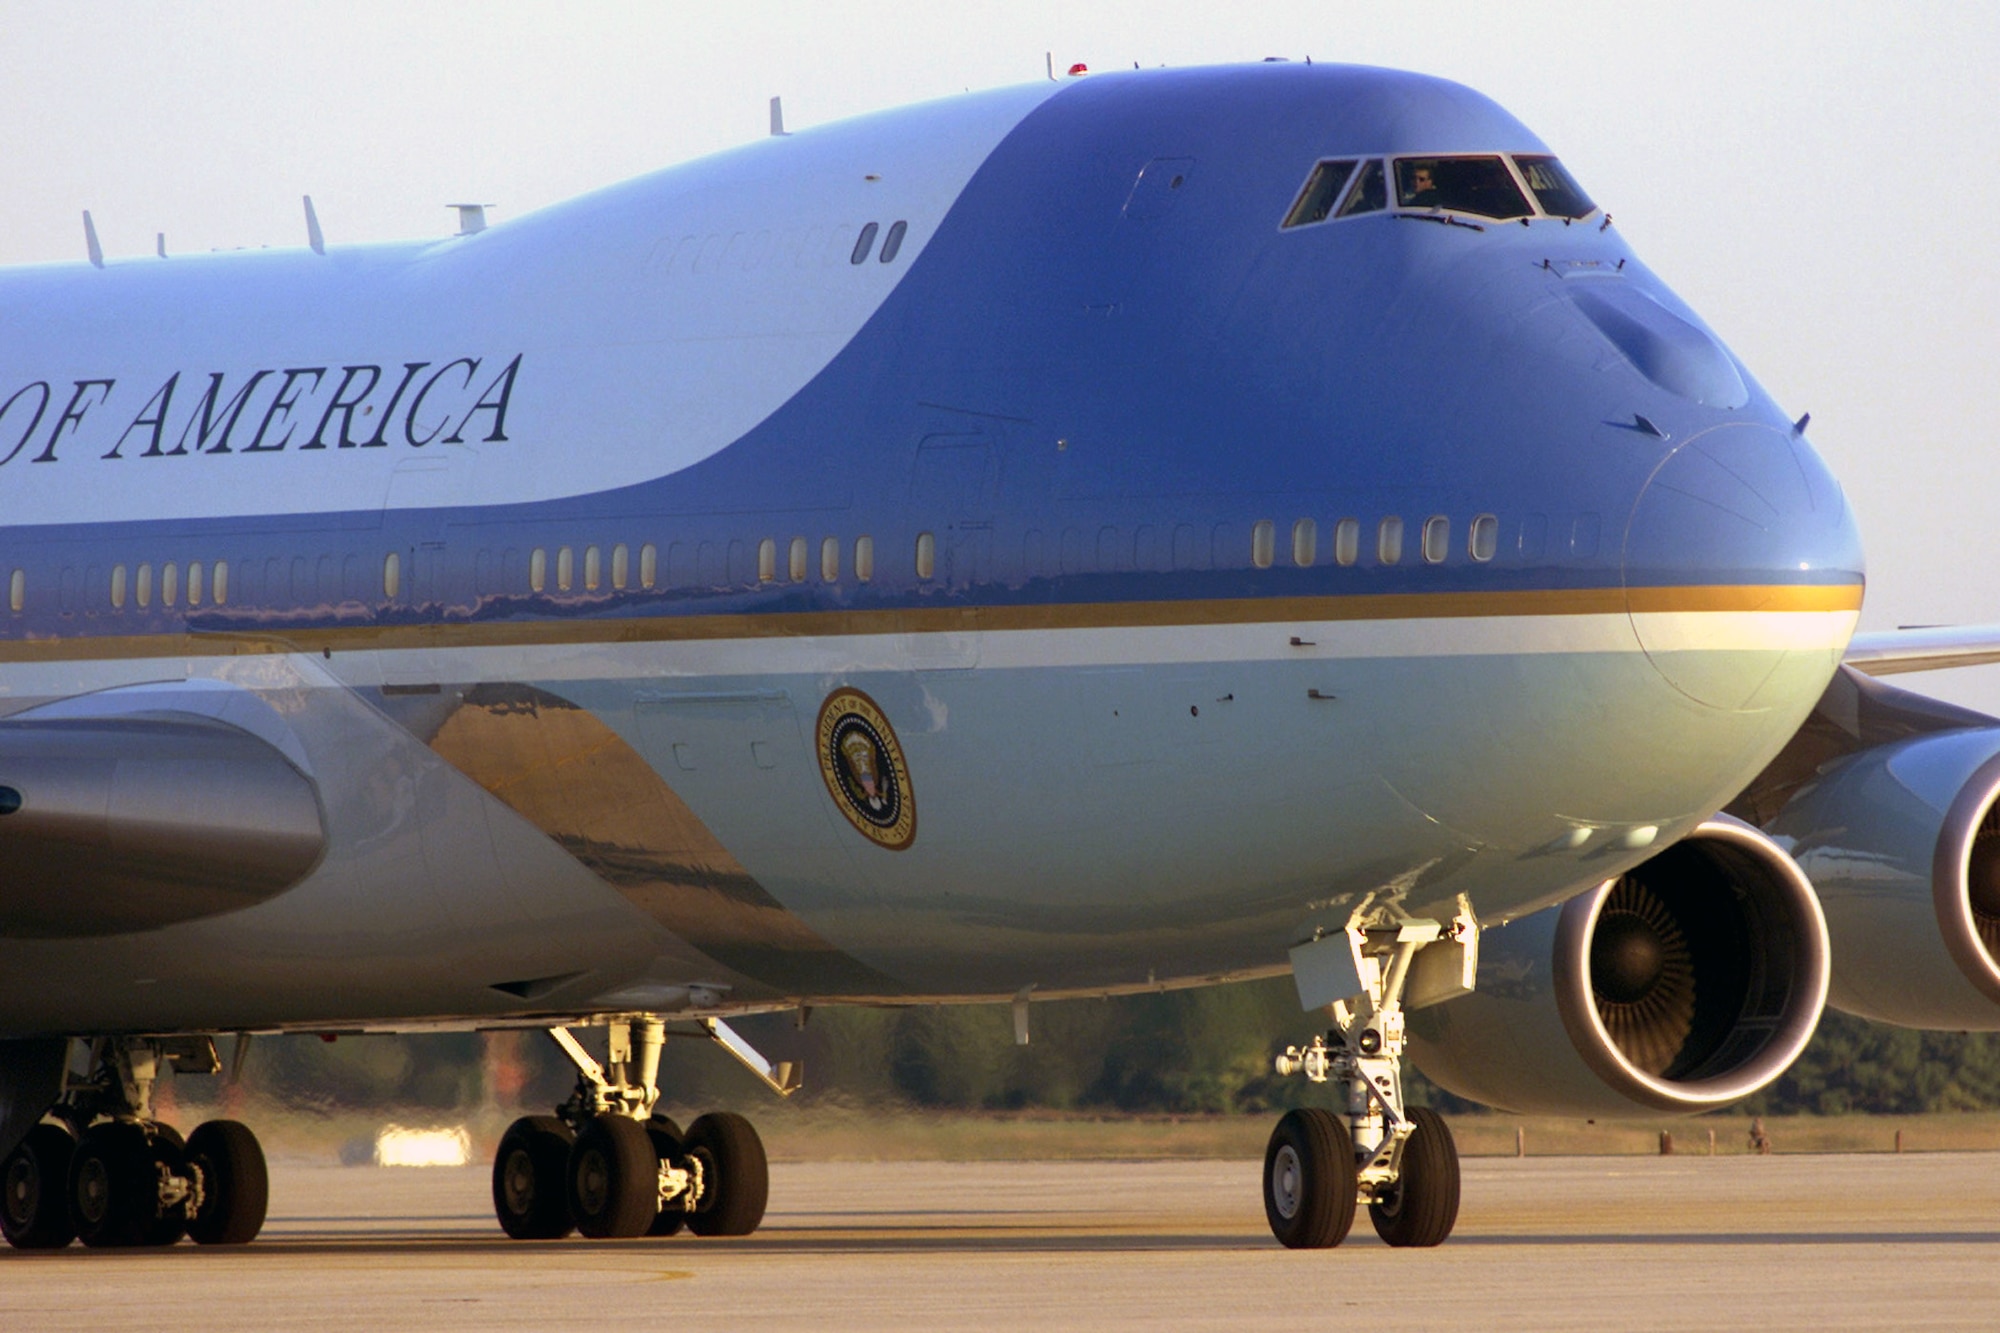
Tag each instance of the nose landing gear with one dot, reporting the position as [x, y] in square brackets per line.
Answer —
[1401, 1163]
[606, 1165]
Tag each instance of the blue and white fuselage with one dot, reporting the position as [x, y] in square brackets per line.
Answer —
[1186, 577]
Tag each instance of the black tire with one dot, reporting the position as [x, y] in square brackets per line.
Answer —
[531, 1179]
[613, 1178]
[736, 1176]
[236, 1185]
[671, 1145]
[1309, 1180]
[113, 1193]
[1422, 1207]
[169, 1150]
[34, 1190]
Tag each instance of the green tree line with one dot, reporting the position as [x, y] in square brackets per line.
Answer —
[1179, 1052]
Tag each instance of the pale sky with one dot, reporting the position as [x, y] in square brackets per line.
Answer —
[1817, 179]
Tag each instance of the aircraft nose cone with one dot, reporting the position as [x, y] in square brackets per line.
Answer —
[1743, 569]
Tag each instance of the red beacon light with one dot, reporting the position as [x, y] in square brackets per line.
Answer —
[1077, 69]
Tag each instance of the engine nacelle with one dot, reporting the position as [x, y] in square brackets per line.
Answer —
[1685, 984]
[1902, 842]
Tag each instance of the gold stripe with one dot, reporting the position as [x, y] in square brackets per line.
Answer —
[1784, 598]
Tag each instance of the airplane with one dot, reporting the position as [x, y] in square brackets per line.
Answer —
[1132, 531]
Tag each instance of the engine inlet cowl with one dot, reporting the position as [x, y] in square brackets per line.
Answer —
[1684, 984]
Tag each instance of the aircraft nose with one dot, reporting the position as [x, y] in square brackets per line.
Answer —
[1743, 569]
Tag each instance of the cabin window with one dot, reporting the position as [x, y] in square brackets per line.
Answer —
[170, 583]
[1347, 541]
[863, 245]
[143, 591]
[1554, 188]
[565, 568]
[538, 569]
[1322, 189]
[17, 589]
[864, 559]
[118, 587]
[1485, 538]
[593, 568]
[649, 565]
[194, 583]
[1368, 194]
[926, 555]
[767, 561]
[392, 575]
[1263, 543]
[829, 560]
[1305, 542]
[795, 562]
[1389, 541]
[222, 583]
[1437, 539]
[1479, 185]
[893, 242]
[621, 566]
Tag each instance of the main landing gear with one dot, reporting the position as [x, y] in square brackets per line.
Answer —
[100, 1169]
[608, 1165]
[1320, 1167]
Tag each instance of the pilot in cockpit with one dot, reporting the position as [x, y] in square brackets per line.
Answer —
[1420, 188]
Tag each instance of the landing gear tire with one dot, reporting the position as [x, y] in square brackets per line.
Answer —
[1422, 1206]
[736, 1176]
[113, 1192]
[670, 1145]
[1309, 1180]
[531, 1179]
[236, 1186]
[167, 1225]
[614, 1178]
[34, 1190]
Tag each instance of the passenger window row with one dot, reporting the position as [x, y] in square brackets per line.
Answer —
[1482, 541]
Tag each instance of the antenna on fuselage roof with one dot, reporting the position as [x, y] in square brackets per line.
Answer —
[314, 237]
[471, 218]
[160, 244]
[90, 245]
[778, 130]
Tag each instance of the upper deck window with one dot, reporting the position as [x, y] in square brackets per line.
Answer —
[1321, 190]
[1554, 188]
[1478, 185]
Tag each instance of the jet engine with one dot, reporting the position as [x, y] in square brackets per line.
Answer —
[1684, 984]
[1902, 842]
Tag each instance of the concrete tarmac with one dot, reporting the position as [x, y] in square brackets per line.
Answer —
[1543, 1243]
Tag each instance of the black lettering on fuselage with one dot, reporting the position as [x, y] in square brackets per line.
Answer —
[504, 382]
[33, 422]
[282, 405]
[162, 399]
[204, 414]
[471, 365]
[410, 369]
[73, 415]
[345, 406]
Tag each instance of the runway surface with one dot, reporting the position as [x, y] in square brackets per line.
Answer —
[1544, 1243]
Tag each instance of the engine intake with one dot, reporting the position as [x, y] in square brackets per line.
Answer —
[1687, 983]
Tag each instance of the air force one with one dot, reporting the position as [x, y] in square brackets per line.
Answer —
[1143, 530]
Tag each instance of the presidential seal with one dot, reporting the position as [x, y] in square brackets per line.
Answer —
[864, 769]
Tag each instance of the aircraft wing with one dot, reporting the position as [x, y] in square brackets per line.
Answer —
[1923, 648]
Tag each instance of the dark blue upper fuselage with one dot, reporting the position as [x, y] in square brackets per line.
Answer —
[1090, 390]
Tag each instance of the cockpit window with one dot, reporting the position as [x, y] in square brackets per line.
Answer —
[1555, 189]
[1322, 189]
[1479, 185]
[1367, 194]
